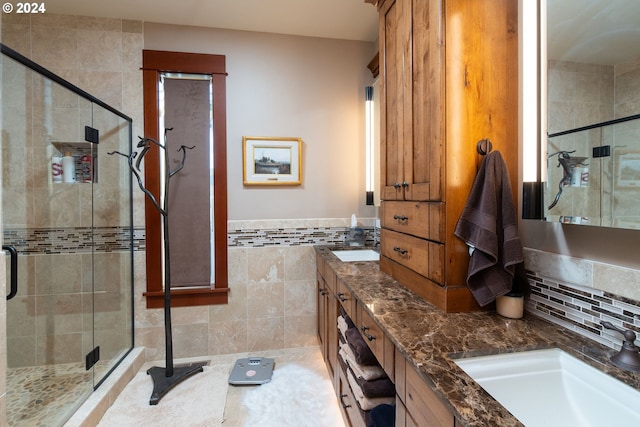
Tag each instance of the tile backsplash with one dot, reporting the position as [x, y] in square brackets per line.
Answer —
[296, 232]
[578, 294]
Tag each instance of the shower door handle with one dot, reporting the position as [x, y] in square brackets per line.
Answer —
[14, 270]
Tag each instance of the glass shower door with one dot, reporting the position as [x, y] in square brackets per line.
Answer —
[112, 249]
[66, 215]
[47, 221]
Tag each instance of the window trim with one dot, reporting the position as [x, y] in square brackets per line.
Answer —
[155, 62]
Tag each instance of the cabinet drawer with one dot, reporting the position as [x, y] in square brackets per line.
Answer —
[420, 219]
[346, 300]
[422, 256]
[423, 406]
[372, 334]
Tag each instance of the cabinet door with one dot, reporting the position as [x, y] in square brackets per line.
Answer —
[423, 151]
[412, 92]
[424, 408]
[322, 314]
[393, 35]
[332, 334]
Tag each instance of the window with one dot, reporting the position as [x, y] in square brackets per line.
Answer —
[158, 66]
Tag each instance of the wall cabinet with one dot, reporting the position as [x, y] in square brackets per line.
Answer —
[449, 78]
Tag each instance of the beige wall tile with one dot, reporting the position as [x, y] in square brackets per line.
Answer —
[265, 334]
[60, 348]
[299, 263]
[228, 336]
[300, 331]
[265, 265]
[300, 298]
[237, 266]
[235, 309]
[265, 300]
[21, 351]
[190, 340]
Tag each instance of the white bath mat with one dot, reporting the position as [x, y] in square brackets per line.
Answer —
[198, 401]
[295, 397]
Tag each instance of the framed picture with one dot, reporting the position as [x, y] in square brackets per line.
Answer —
[271, 161]
[628, 168]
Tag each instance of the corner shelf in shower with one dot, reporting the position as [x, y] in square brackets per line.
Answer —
[79, 150]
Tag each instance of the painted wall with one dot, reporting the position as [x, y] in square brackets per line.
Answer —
[277, 86]
[281, 85]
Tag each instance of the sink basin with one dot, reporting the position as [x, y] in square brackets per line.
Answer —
[357, 255]
[552, 388]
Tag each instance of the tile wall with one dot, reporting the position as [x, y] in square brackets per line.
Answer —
[578, 294]
[51, 224]
[272, 299]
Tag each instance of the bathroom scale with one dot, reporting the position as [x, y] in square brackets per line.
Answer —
[252, 370]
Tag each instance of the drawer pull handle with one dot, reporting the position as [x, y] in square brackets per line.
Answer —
[341, 297]
[400, 250]
[344, 405]
[400, 217]
[364, 330]
[396, 185]
[405, 184]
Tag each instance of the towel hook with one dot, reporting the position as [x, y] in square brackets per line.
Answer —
[484, 146]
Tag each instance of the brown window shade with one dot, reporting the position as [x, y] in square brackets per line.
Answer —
[187, 112]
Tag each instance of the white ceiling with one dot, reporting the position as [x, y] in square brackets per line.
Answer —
[591, 31]
[339, 19]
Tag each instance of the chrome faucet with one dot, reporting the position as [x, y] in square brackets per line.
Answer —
[629, 356]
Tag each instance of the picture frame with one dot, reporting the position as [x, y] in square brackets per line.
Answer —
[627, 168]
[271, 160]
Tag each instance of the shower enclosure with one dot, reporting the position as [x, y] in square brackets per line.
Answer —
[67, 231]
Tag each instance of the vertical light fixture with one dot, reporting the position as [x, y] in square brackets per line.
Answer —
[532, 98]
[369, 120]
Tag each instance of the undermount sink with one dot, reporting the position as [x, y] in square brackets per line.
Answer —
[357, 255]
[552, 388]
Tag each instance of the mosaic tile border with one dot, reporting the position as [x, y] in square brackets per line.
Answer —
[581, 309]
[295, 236]
[66, 240]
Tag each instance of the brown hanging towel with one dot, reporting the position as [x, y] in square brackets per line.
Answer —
[488, 225]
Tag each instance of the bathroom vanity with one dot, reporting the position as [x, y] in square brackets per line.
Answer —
[417, 344]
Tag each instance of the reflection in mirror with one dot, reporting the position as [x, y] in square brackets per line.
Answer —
[593, 112]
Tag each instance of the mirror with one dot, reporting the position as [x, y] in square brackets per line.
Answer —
[593, 112]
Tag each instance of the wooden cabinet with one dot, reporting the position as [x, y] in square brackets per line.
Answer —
[327, 316]
[411, 101]
[424, 408]
[381, 346]
[416, 403]
[449, 76]
[348, 402]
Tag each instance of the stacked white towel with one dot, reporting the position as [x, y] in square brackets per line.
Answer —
[366, 403]
[360, 371]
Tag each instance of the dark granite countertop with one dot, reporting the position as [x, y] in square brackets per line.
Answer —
[431, 340]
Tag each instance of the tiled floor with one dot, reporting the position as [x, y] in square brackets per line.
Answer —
[44, 396]
[235, 414]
